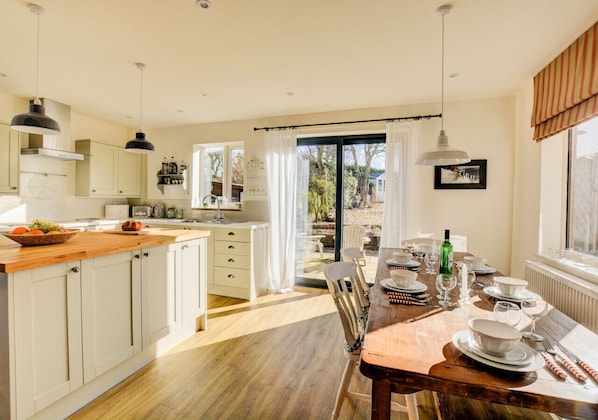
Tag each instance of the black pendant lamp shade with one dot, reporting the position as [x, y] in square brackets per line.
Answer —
[35, 121]
[139, 144]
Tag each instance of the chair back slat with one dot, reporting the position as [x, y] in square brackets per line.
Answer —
[339, 276]
[353, 255]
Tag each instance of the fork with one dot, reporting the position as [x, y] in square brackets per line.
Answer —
[570, 366]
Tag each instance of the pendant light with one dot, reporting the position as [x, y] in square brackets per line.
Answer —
[139, 144]
[443, 154]
[35, 121]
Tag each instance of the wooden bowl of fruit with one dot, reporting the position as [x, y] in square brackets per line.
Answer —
[40, 232]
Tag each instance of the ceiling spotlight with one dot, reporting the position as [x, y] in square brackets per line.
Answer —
[203, 4]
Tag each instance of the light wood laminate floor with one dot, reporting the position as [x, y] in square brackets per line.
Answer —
[278, 357]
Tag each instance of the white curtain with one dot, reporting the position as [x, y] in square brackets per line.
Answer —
[281, 174]
[399, 220]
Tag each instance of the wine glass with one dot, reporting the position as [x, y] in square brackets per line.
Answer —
[430, 259]
[445, 283]
[507, 313]
[535, 309]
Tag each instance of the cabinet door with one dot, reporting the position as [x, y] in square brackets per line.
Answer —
[9, 160]
[111, 311]
[47, 320]
[129, 174]
[158, 290]
[103, 174]
[191, 258]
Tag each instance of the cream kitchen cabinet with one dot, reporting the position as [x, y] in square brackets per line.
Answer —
[107, 171]
[111, 312]
[240, 261]
[47, 336]
[9, 160]
[71, 330]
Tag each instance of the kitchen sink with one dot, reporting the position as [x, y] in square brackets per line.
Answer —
[214, 221]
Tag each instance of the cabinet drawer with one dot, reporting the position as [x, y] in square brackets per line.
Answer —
[233, 234]
[233, 277]
[231, 248]
[232, 261]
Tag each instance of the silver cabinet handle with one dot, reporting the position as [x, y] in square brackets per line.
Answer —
[75, 269]
[185, 247]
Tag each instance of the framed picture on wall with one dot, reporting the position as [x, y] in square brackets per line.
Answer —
[466, 176]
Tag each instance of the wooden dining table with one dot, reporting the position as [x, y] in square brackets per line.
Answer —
[409, 348]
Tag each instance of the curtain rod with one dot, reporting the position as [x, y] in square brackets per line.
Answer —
[417, 117]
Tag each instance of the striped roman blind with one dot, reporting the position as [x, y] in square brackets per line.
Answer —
[566, 91]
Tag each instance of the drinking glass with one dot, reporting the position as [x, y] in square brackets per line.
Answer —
[507, 313]
[431, 259]
[445, 283]
[535, 309]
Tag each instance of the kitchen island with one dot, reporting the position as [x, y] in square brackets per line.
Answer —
[79, 317]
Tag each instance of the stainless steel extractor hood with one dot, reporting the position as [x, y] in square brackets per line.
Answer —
[54, 146]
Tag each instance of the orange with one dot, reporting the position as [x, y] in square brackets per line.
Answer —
[19, 230]
[36, 232]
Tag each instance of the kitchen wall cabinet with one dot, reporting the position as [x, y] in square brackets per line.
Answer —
[107, 171]
[9, 160]
[80, 327]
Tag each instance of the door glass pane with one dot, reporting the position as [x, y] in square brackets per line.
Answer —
[363, 197]
[316, 214]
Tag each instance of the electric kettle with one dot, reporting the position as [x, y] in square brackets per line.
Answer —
[158, 211]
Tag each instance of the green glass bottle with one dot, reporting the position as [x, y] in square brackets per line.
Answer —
[446, 255]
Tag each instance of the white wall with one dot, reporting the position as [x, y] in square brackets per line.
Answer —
[489, 129]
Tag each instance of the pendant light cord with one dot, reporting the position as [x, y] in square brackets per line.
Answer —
[37, 63]
[140, 66]
[442, 78]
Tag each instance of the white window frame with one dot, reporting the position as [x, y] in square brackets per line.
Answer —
[198, 188]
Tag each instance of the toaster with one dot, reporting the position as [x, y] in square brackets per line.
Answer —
[141, 211]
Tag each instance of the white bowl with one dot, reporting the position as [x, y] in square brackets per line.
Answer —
[477, 263]
[493, 337]
[401, 257]
[403, 278]
[510, 286]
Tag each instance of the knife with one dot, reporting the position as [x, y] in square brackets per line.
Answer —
[591, 371]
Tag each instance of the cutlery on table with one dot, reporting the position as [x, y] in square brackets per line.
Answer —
[553, 366]
[580, 376]
[591, 371]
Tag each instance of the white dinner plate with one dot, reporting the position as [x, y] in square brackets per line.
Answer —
[410, 264]
[417, 287]
[495, 292]
[520, 355]
[461, 340]
[485, 270]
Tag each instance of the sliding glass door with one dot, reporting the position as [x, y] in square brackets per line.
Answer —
[340, 193]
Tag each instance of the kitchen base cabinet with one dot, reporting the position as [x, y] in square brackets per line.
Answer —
[111, 302]
[240, 259]
[71, 331]
[47, 336]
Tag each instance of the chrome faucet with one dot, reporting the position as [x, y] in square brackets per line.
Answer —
[218, 217]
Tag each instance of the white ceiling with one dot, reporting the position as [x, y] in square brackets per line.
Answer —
[246, 55]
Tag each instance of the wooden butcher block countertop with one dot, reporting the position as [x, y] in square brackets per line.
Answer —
[14, 257]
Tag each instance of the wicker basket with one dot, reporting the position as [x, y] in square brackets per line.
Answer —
[37, 240]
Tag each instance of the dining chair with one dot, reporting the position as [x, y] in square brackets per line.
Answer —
[362, 286]
[354, 237]
[342, 279]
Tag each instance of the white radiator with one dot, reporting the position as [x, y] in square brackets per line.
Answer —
[571, 295]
